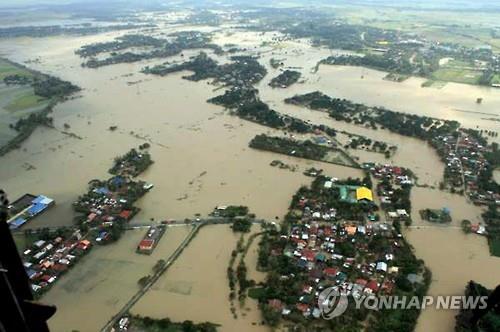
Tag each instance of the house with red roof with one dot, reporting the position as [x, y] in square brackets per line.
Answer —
[308, 255]
[146, 245]
[372, 285]
[330, 272]
[125, 214]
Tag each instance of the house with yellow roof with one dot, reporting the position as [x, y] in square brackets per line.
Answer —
[364, 194]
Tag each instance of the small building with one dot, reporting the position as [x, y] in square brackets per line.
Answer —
[364, 194]
[381, 266]
[146, 245]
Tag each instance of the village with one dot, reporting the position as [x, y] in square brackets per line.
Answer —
[335, 237]
[102, 215]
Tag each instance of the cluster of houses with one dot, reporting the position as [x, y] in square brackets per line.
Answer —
[110, 202]
[355, 258]
[396, 174]
[27, 207]
[313, 246]
[464, 161]
[46, 260]
[132, 163]
[391, 177]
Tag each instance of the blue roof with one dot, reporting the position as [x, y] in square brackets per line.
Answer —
[117, 180]
[30, 272]
[16, 223]
[36, 209]
[38, 199]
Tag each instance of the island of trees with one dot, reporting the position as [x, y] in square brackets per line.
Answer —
[285, 79]
[153, 48]
[241, 71]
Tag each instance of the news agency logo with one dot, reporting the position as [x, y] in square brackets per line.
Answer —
[333, 303]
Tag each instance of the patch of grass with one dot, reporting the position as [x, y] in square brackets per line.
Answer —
[495, 79]
[256, 292]
[6, 69]
[25, 101]
[457, 75]
[433, 84]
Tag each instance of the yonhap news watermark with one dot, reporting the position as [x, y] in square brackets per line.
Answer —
[333, 303]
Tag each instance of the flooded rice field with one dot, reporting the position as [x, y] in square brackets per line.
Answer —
[196, 286]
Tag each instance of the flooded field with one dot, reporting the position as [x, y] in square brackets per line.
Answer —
[454, 258]
[105, 280]
[202, 160]
[196, 286]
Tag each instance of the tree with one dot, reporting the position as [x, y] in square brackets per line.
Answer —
[466, 226]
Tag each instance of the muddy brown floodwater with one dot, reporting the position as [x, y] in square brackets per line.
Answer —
[453, 257]
[202, 160]
[196, 286]
[98, 286]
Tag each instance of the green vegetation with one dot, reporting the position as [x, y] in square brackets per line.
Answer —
[132, 163]
[161, 48]
[10, 69]
[148, 324]
[302, 149]
[433, 215]
[494, 245]
[285, 79]
[45, 91]
[52, 87]
[492, 220]
[243, 70]
[306, 149]
[466, 226]
[457, 75]
[241, 225]
[245, 103]
[275, 63]
[25, 128]
[55, 30]
[26, 101]
[375, 61]
[490, 322]
[401, 123]
[230, 211]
